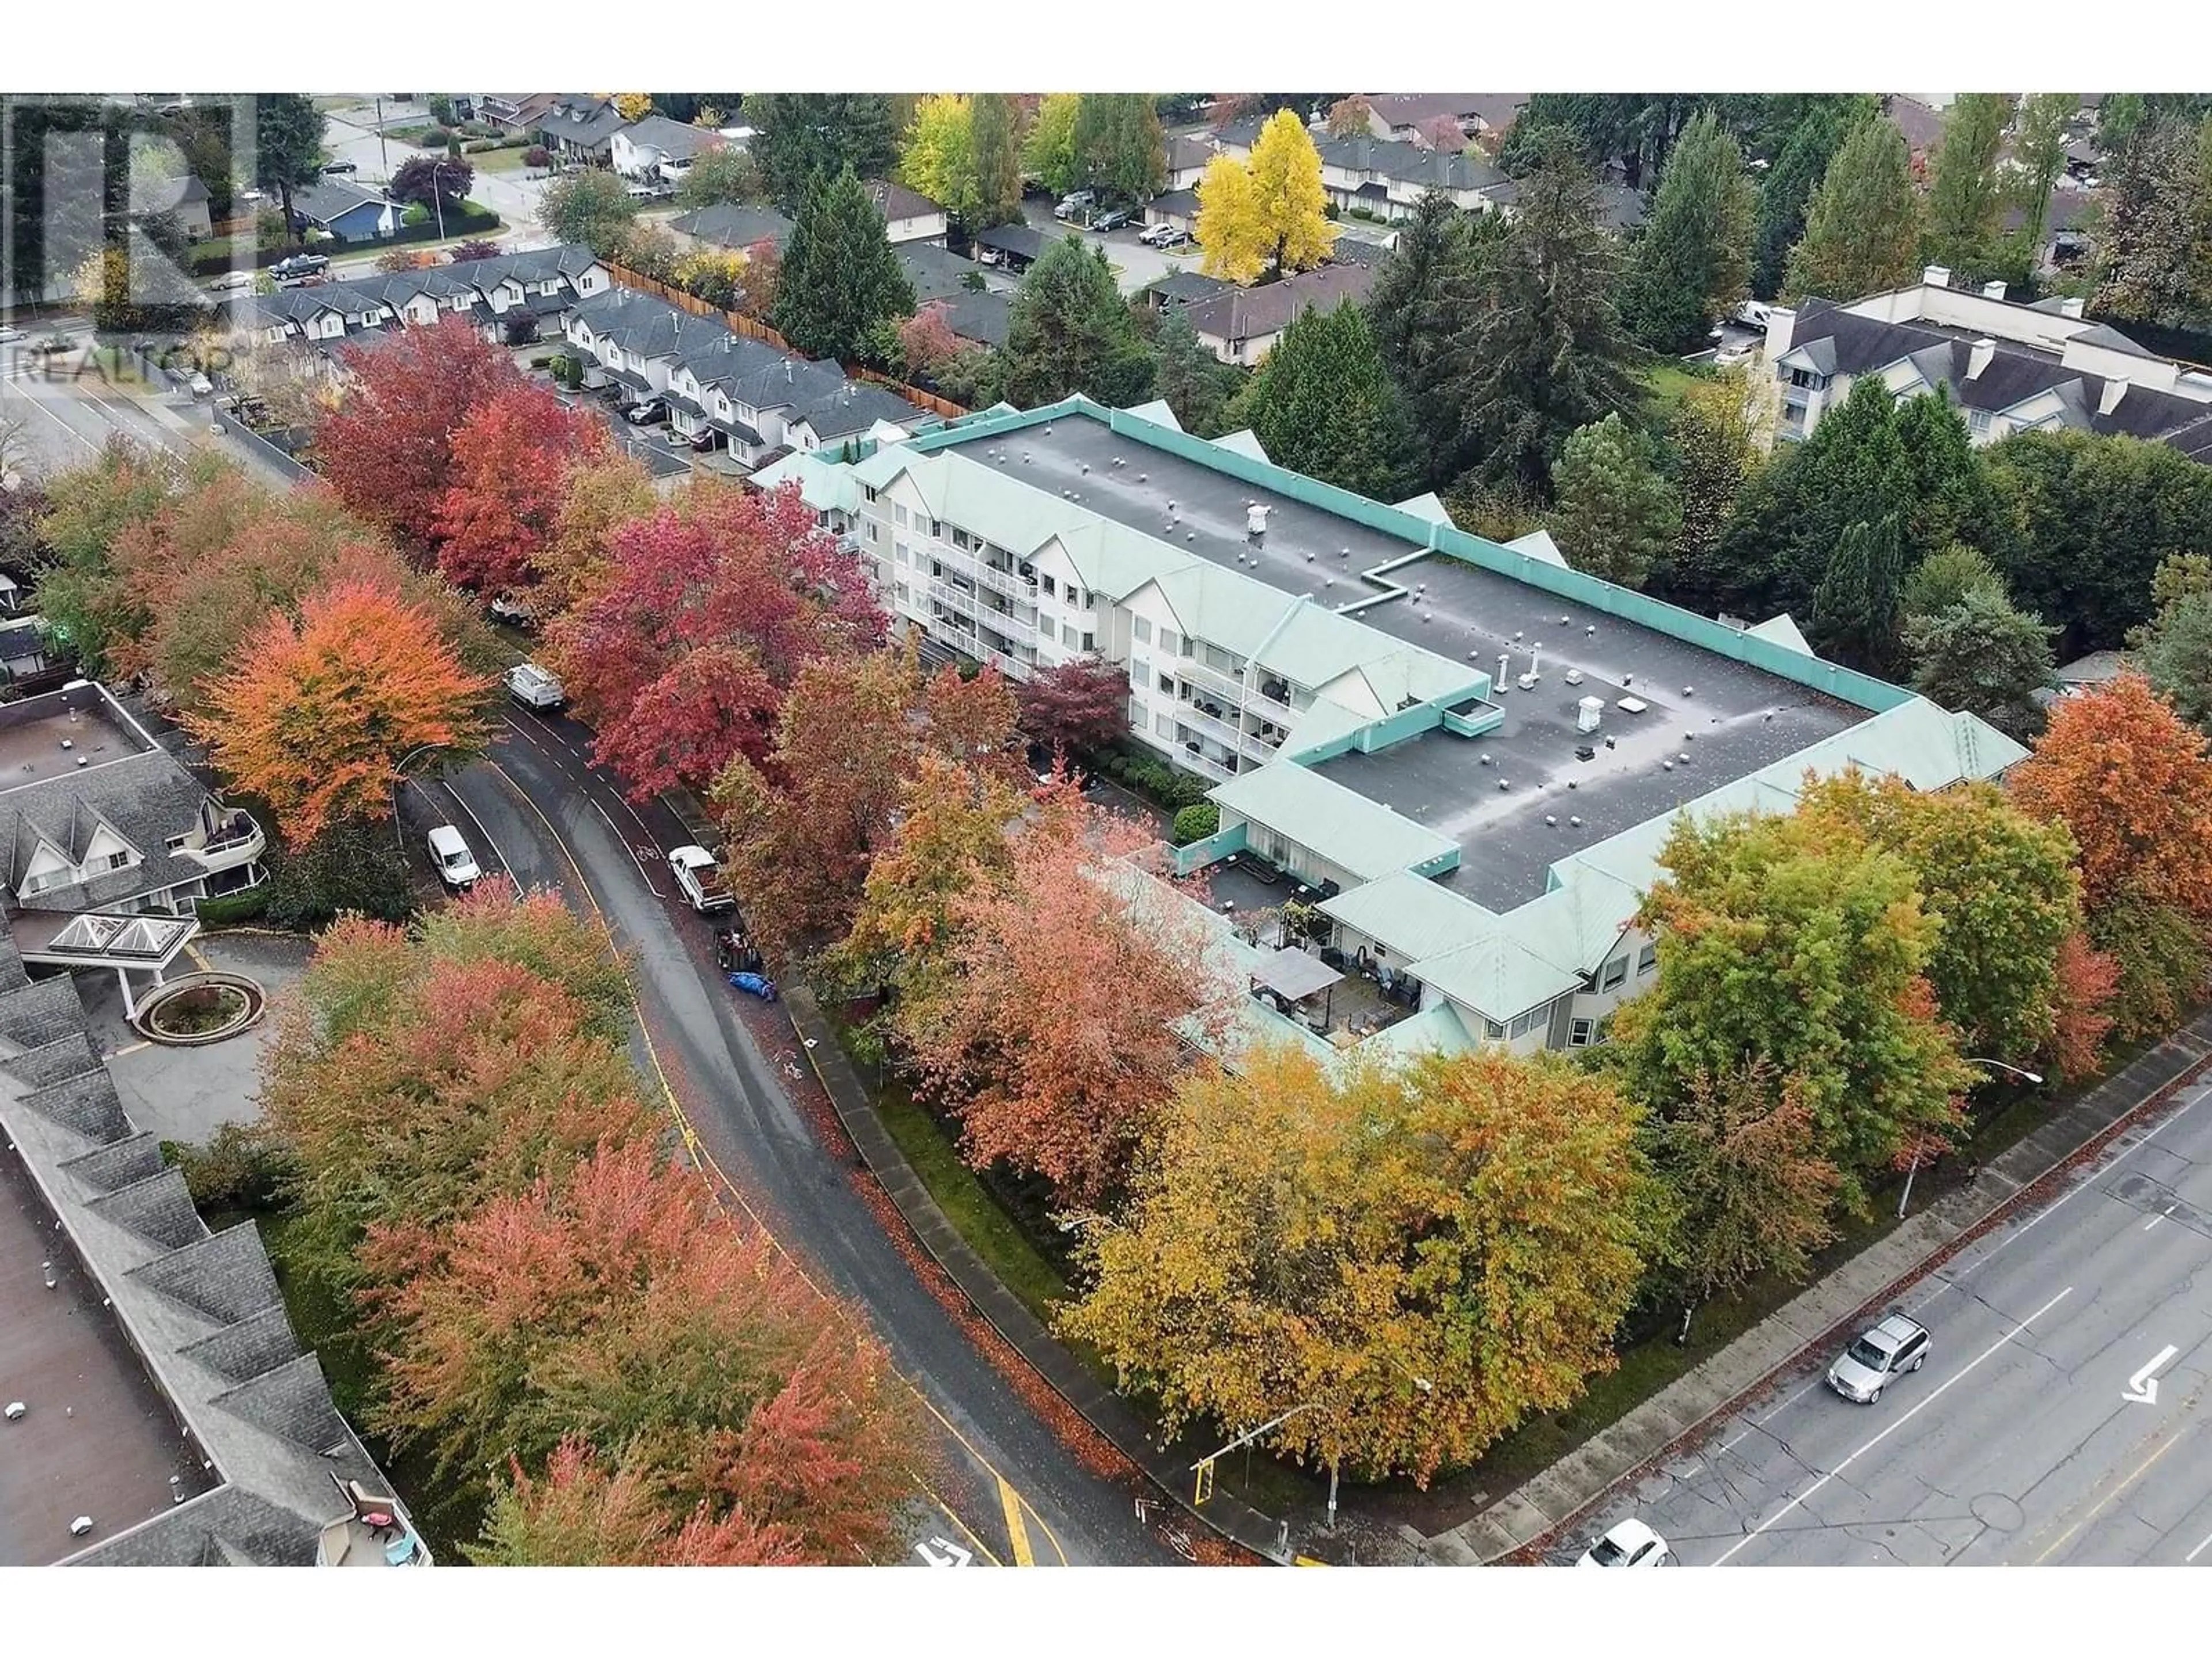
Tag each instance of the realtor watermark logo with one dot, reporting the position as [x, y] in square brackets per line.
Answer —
[104, 200]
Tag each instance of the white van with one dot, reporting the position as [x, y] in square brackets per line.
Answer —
[457, 866]
[532, 687]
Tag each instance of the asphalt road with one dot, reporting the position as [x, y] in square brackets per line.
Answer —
[63, 410]
[2061, 1419]
[1001, 1487]
[351, 135]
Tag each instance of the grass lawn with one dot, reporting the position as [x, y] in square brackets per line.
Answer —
[1666, 383]
[498, 161]
[990, 1232]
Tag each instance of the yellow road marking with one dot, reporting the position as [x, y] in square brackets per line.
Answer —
[704, 1159]
[198, 961]
[967, 1531]
[2107, 1501]
[1015, 1530]
[1306, 1561]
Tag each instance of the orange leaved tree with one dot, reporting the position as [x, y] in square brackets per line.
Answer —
[1072, 983]
[318, 714]
[2131, 780]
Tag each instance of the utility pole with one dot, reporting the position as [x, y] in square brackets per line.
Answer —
[383, 149]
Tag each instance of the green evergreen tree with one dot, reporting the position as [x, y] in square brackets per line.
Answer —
[1855, 608]
[1863, 227]
[1543, 353]
[287, 145]
[1195, 383]
[1614, 516]
[1693, 262]
[1967, 198]
[1984, 657]
[2178, 658]
[840, 280]
[1323, 405]
[1068, 330]
[1427, 297]
[1787, 190]
[805, 138]
[993, 137]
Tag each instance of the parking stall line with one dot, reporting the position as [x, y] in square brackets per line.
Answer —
[2190, 1560]
[1958, 1377]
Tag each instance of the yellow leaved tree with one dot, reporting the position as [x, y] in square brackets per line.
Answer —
[1229, 228]
[1401, 1263]
[1267, 214]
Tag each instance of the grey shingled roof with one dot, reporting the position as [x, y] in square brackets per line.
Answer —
[200, 1312]
[895, 201]
[145, 799]
[332, 198]
[935, 272]
[732, 224]
[979, 317]
[674, 140]
[1249, 313]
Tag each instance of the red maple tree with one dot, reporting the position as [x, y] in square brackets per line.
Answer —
[2086, 979]
[2131, 780]
[685, 727]
[620, 1307]
[581, 1513]
[388, 448]
[804, 827]
[1055, 1035]
[926, 339]
[1075, 705]
[721, 569]
[319, 714]
[511, 461]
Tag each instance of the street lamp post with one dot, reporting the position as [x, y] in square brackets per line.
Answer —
[1203, 1469]
[2022, 1072]
[399, 783]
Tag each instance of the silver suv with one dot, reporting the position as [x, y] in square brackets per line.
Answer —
[1892, 1347]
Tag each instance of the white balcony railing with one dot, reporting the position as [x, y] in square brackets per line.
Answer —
[238, 841]
[1226, 686]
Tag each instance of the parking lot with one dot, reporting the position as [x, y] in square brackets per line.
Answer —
[1135, 266]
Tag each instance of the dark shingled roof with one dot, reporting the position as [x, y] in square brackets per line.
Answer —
[1250, 314]
[732, 224]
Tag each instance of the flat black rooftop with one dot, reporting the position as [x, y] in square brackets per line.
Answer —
[1730, 719]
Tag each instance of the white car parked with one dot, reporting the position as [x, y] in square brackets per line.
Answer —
[457, 866]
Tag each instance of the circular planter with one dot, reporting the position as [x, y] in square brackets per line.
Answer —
[189, 1013]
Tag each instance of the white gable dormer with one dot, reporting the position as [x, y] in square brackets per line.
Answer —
[48, 867]
[108, 850]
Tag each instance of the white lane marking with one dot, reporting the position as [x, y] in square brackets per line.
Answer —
[2160, 1216]
[627, 848]
[2143, 1387]
[39, 404]
[1937, 1393]
[2193, 1555]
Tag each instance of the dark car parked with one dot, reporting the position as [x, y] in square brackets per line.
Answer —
[708, 438]
[647, 412]
[1112, 219]
[335, 169]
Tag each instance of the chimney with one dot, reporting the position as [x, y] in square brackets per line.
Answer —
[1993, 291]
[2114, 391]
[2070, 307]
[1936, 277]
[1985, 349]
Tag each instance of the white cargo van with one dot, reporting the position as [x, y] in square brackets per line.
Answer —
[532, 687]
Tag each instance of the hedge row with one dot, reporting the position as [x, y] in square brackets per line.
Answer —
[1161, 783]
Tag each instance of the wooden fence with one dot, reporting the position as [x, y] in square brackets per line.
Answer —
[752, 329]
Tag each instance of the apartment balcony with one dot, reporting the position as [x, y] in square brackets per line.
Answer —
[1013, 667]
[1021, 630]
[1197, 720]
[233, 839]
[1011, 583]
[1227, 687]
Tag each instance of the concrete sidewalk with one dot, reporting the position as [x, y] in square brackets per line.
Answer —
[1555, 1500]
[1105, 1410]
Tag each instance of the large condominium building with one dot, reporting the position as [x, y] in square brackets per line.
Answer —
[1463, 758]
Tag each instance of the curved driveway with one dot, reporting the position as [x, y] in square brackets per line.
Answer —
[1005, 1486]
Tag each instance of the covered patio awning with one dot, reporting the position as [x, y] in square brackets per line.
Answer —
[1293, 974]
[99, 939]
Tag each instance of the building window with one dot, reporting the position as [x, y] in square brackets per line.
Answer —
[936, 528]
[1978, 423]
[1142, 629]
[1524, 1023]
[899, 516]
[1164, 725]
[1578, 1032]
[960, 538]
[118, 860]
[1051, 590]
[872, 528]
[1613, 973]
[1493, 1031]
[1647, 960]
[175, 843]
[1067, 635]
[1170, 643]
[1089, 642]
[1167, 684]
[899, 552]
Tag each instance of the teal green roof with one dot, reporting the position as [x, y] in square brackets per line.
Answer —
[1360, 835]
[1496, 976]
[1411, 913]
